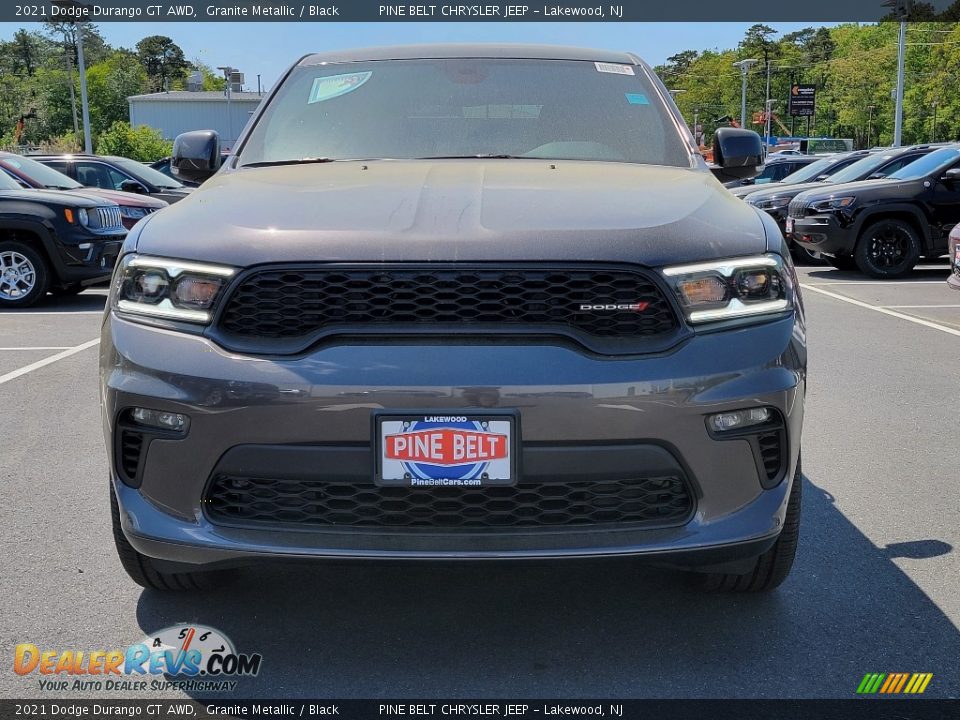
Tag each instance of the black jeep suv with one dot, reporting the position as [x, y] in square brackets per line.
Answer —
[882, 227]
[54, 241]
[861, 165]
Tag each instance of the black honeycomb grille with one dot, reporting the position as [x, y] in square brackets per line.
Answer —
[296, 502]
[298, 303]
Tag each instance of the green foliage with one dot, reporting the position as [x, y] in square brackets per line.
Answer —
[140, 143]
[854, 69]
[109, 84]
[163, 61]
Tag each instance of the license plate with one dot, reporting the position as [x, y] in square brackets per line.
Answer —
[789, 225]
[956, 256]
[445, 450]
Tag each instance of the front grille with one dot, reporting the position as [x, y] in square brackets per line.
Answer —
[771, 452]
[129, 451]
[309, 302]
[108, 218]
[797, 209]
[296, 502]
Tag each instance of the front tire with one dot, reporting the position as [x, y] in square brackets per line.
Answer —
[887, 249]
[771, 568]
[143, 571]
[24, 275]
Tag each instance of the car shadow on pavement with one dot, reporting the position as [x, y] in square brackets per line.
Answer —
[921, 274]
[84, 302]
[600, 629]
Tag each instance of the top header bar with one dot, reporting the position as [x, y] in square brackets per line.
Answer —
[813, 11]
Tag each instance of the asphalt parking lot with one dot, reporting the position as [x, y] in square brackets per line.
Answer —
[874, 588]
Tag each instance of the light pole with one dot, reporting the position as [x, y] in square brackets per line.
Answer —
[870, 125]
[933, 131]
[80, 10]
[901, 8]
[227, 73]
[744, 66]
[770, 103]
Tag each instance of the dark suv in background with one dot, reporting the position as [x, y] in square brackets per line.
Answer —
[775, 199]
[820, 169]
[53, 241]
[776, 168]
[109, 172]
[30, 173]
[882, 227]
[431, 309]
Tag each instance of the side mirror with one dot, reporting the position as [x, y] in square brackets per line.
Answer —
[951, 176]
[196, 155]
[132, 186]
[877, 176]
[737, 153]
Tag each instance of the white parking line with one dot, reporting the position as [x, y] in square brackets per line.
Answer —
[47, 361]
[14, 349]
[885, 311]
[921, 306]
[881, 282]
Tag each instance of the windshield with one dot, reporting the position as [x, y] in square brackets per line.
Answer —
[808, 172]
[937, 160]
[40, 173]
[467, 107]
[147, 174]
[861, 169]
[8, 183]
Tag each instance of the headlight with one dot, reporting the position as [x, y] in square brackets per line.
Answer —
[831, 204]
[769, 203]
[129, 211]
[733, 288]
[168, 289]
[83, 217]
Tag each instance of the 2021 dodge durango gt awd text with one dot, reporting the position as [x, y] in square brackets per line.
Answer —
[457, 302]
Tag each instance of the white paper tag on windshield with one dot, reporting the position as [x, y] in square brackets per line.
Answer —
[614, 68]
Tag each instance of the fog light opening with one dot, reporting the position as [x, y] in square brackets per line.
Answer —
[159, 419]
[738, 419]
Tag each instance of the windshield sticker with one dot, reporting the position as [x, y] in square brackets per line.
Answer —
[637, 99]
[327, 88]
[614, 68]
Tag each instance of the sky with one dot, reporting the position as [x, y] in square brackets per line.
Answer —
[268, 48]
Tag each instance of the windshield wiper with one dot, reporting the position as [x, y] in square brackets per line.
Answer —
[295, 161]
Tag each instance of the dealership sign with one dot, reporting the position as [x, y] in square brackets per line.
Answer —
[803, 100]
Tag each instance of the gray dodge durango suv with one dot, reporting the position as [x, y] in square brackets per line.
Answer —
[457, 302]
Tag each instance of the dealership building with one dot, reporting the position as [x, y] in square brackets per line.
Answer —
[176, 112]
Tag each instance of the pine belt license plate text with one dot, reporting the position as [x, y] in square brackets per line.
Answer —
[445, 450]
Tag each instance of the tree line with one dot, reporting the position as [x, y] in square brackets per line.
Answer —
[40, 82]
[854, 69]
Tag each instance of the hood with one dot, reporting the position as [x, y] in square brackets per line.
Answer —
[878, 186]
[453, 210]
[741, 191]
[120, 197]
[785, 190]
[67, 198]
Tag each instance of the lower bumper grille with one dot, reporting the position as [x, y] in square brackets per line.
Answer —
[296, 502]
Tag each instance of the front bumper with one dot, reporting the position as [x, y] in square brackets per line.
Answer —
[89, 258]
[581, 415]
[824, 233]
